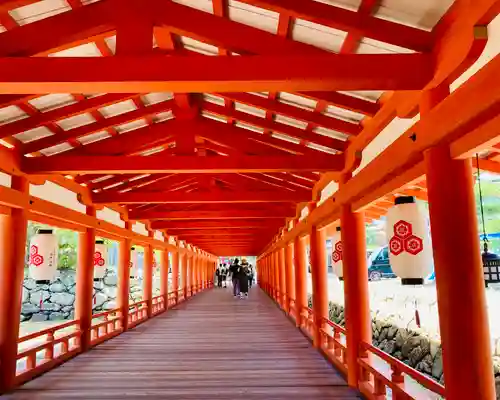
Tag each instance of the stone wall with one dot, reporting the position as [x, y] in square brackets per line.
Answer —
[56, 301]
[413, 348]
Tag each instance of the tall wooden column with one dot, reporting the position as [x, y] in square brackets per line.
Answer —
[124, 278]
[277, 279]
[184, 273]
[190, 272]
[290, 281]
[175, 273]
[300, 277]
[281, 265]
[147, 283]
[357, 307]
[319, 274]
[13, 230]
[164, 274]
[459, 277]
[85, 281]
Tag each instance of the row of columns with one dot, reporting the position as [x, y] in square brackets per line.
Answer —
[463, 319]
[196, 270]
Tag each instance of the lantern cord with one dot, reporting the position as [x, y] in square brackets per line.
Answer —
[485, 238]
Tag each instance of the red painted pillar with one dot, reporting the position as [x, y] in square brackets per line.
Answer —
[147, 283]
[290, 281]
[357, 306]
[175, 274]
[85, 282]
[319, 271]
[184, 273]
[164, 274]
[190, 269]
[467, 362]
[277, 271]
[124, 278]
[12, 258]
[281, 265]
[300, 278]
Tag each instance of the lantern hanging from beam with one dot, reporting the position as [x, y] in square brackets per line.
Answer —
[43, 256]
[100, 259]
[134, 258]
[337, 254]
[409, 241]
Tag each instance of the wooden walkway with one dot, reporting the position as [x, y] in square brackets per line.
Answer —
[211, 347]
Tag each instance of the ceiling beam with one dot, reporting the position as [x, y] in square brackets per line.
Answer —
[214, 215]
[176, 226]
[178, 164]
[200, 198]
[225, 74]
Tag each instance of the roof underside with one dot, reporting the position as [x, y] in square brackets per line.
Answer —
[295, 134]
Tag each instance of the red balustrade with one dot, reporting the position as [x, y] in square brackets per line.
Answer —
[43, 350]
[138, 312]
[105, 325]
[334, 344]
[158, 304]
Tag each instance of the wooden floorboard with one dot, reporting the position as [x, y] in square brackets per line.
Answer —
[211, 347]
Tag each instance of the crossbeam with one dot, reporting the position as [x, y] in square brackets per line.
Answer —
[200, 198]
[177, 226]
[215, 215]
[179, 164]
[157, 73]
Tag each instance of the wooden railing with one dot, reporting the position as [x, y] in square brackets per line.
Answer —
[172, 299]
[158, 304]
[138, 312]
[105, 325]
[375, 380]
[334, 344]
[46, 349]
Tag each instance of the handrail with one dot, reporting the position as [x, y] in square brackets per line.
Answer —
[110, 325]
[137, 312]
[158, 304]
[396, 381]
[69, 345]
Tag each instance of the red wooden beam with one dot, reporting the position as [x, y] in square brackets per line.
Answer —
[223, 224]
[50, 116]
[346, 20]
[217, 215]
[294, 112]
[200, 198]
[103, 124]
[276, 127]
[178, 164]
[344, 101]
[224, 74]
[219, 232]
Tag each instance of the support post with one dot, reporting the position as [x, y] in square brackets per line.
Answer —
[290, 281]
[124, 278]
[300, 277]
[175, 273]
[164, 275]
[184, 274]
[12, 259]
[277, 280]
[319, 271]
[281, 265]
[357, 307]
[147, 283]
[459, 277]
[85, 282]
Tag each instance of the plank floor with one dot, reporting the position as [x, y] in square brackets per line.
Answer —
[211, 347]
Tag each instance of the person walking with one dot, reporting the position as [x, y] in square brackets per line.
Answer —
[218, 275]
[234, 271]
[250, 275]
[243, 279]
[223, 275]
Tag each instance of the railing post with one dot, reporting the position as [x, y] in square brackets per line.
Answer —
[124, 278]
[300, 277]
[281, 266]
[13, 228]
[276, 267]
[357, 307]
[147, 283]
[319, 271]
[85, 282]
[184, 273]
[289, 273]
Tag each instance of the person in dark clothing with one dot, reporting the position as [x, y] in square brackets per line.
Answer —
[250, 275]
[223, 274]
[243, 278]
[218, 275]
[234, 271]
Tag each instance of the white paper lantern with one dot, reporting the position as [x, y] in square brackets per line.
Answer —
[134, 271]
[100, 259]
[337, 255]
[409, 241]
[43, 256]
